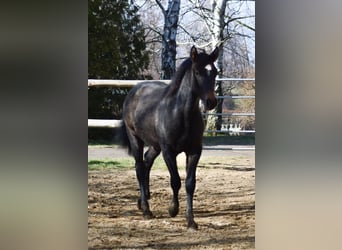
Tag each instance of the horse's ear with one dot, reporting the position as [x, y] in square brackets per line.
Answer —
[193, 53]
[214, 55]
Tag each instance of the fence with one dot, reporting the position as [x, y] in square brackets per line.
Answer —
[130, 83]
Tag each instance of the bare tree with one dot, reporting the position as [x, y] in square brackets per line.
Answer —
[203, 23]
[152, 19]
[218, 10]
[171, 16]
[222, 23]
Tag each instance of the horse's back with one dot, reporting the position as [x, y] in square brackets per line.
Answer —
[143, 89]
[150, 85]
[144, 94]
[140, 106]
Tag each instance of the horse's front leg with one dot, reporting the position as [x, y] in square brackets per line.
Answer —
[190, 184]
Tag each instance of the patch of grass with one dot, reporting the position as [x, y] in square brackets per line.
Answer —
[124, 163]
[128, 163]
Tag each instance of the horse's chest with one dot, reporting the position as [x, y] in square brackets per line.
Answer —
[179, 128]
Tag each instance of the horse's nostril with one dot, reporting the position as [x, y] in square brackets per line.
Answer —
[215, 103]
[210, 104]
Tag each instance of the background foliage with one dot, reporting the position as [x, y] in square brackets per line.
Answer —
[116, 50]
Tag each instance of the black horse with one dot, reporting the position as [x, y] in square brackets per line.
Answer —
[167, 118]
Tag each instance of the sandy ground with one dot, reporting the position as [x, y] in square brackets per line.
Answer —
[224, 206]
[110, 152]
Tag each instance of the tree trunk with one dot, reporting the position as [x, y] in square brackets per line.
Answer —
[218, 10]
[169, 38]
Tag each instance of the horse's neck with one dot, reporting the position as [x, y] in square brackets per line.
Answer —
[186, 96]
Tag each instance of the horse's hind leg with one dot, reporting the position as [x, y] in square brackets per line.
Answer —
[149, 158]
[137, 147]
[170, 159]
[190, 184]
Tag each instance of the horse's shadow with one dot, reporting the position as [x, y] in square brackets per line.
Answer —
[236, 209]
[219, 165]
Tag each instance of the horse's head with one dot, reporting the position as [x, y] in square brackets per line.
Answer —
[204, 73]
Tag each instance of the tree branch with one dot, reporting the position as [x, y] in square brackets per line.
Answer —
[196, 44]
[154, 30]
[186, 32]
[237, 19]
[204, 18]
[161, 7]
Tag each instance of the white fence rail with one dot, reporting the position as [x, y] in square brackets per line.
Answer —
[118, 83]
[104, 123]
[131, 83]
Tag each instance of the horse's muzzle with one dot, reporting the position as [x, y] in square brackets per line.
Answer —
[210, 103]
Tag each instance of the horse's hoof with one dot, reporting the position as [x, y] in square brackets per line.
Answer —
[148, 215]
[173, 210]
[192, 225]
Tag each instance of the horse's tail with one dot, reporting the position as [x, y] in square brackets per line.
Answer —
[123, 138]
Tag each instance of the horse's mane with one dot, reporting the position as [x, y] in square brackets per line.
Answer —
[178, 77]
